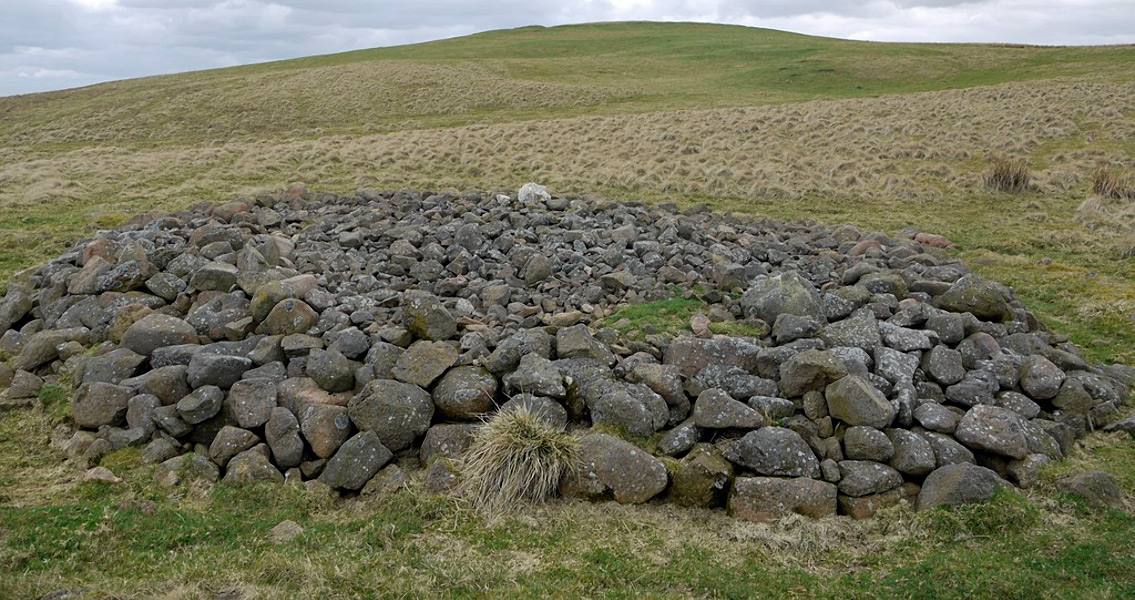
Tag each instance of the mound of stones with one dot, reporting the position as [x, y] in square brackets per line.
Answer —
[329, 339]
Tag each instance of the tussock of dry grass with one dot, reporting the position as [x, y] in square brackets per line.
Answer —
[1007, 175]
[1113, 184]
[516, 456]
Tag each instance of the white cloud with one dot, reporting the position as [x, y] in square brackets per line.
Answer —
[114, 39]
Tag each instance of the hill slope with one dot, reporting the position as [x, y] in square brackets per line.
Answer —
[527, 73]
[885, 136]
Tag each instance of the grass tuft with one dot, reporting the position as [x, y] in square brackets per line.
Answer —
[1113, 184]
[1008, 175]
[516, 456]
[56, 400]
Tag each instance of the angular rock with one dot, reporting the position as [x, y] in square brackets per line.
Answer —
[98, 404]
[282, 432]
[357, 460]
[993, 429]
[714, 409]
[251, 466]
[535, 375]
[577, 342]
[811, 370]
[863, 477]
[913, 454]
[424, 362]
[424, 316]
[774, 451]
[325, 427]
[763, 499]
[251, 401]
[201, 404]
[855, 401]
[867, 443]
[219, 370]
[610, 466]
[229, 442]
[702, 479]
[398, 412]
[787, 293]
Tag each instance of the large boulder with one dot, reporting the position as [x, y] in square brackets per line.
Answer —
[611, 467]
[158, 330]
[863, 477]
[325, 427]
[357, 460]
[993, 429]
[856, 401]
[252, 466]
[702, 478]
[423, 362]
[398, 412]
[714, 409]
[767, 498]
[425, 317]
[466, 393]
[577, 342]
[787, 293]
[957, 484]
[98, 404]
[691, 354]
[984, 299]
[811, 370]
[774, 451]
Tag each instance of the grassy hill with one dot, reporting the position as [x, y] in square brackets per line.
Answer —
[884, 136]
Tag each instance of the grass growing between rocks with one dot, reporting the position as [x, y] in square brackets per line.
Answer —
[135, 539]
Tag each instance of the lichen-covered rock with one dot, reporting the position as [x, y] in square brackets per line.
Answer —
[855, 401]
[714, 409]
[425, 317]
[776, 451]
[611, 467]
[535, 375]
[867, 443]
[787, 293]
[957, 484]
[993, 429]
[398, 412]
[690, 355]
[424, 362]
[577, 342]
[282, 432]
[251, 401]
[863, 477]
[252, 466]
[356, 461]
[325, 427]
[465, 393]
[201, 404]
[811, 370]
[703, 478]
[98, 404]
[982, 298]
[763, 499]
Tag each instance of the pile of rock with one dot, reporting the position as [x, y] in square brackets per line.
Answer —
[318, 337]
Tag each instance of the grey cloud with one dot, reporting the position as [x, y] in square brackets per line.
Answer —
[50, 44]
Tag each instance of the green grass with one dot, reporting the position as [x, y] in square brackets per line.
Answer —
[135, 539]
[464, 113]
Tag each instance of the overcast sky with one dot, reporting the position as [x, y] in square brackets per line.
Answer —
[54, 44]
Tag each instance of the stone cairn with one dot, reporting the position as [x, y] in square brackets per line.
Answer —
[316, 338]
